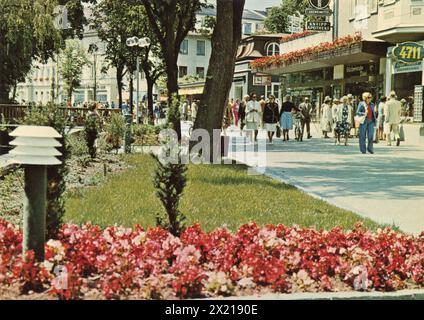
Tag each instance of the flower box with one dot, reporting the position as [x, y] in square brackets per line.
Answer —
[326, 50]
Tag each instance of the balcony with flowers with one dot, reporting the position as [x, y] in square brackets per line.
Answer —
[348, 49]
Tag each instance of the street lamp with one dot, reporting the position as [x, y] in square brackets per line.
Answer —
[141, 43]
[35, 148]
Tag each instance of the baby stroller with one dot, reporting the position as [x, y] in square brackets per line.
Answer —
[297, 121]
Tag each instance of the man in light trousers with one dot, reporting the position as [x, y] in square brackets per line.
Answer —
[392, 113]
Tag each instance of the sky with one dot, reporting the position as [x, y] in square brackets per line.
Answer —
[261, 4]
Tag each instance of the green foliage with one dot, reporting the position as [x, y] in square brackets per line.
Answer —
[207, 26]
[72, 61]
[188, 79]
[146, 134]
[91, 129]
[174, 115]
[78, 148]
[170, 181]
[51, 116]
[115, 130]
[27, 32]
[277, 20]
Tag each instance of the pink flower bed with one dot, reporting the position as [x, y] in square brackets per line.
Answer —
[292, 57]
[295, 36]
[136, 263]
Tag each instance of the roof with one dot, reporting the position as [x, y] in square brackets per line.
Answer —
[248, 14]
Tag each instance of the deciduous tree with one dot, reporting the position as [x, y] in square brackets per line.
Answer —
[73, 59]
[225, 40]
[171, 21]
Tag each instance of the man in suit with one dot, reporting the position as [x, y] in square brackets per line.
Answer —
[392, 113]
[306, 109]
[366, 112]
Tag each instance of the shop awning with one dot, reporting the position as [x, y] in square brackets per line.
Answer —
[191, 90]
[364, 51]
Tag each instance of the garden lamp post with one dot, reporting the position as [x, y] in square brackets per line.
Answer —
[35, 149]
[141, 43]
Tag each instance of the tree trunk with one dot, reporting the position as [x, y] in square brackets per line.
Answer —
[131, 93]
[4, 93]
[150, 84]
[119, 76]
[174, 116]
[225, 40]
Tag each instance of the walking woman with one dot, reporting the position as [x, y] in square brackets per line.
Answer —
[286, 120]
[271, 115]
[235, 112]
[343, 121]
[227, 118]
[366, 117]
[242, 112]
[253, 119]
[326, 117]
[334, 114]
[380, 120]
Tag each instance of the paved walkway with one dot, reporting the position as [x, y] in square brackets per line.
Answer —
[387, 187]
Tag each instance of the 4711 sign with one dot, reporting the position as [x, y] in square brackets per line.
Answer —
[409, 52]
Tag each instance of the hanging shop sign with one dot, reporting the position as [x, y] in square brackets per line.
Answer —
[401, 67]
[409, 52]
[319, 4]
[318, 26]
[318, 12]
[360, 70]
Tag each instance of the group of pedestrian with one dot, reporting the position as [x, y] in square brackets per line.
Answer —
[344, 118]
[189, 110]
[374, 122]
[337, 117]
[251, 114]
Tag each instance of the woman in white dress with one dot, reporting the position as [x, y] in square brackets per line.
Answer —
[334, 114]
[326, 117]
[253, 119]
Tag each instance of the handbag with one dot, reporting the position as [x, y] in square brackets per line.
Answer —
[278, 131]
[360, 120]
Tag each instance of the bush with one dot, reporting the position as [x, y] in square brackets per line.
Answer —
[145, 134]
[79, 149]
[91, 129]
[115, 130]
[170, 181]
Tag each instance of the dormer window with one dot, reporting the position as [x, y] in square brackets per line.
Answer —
[272, 49]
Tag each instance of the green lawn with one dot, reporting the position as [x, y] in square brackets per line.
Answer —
[214, 196]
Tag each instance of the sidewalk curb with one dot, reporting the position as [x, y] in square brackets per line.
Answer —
[415, 294]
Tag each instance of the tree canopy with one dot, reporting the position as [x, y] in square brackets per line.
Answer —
[28, 33]
[278, 21]
[72, 61]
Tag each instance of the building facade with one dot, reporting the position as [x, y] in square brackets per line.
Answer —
[357, 66]
[41, 84]
[245, 81]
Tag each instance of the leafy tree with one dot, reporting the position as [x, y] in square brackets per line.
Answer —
[27, 33]
[277, 20]
[171, 21]
[73, 59]
[116, 21]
